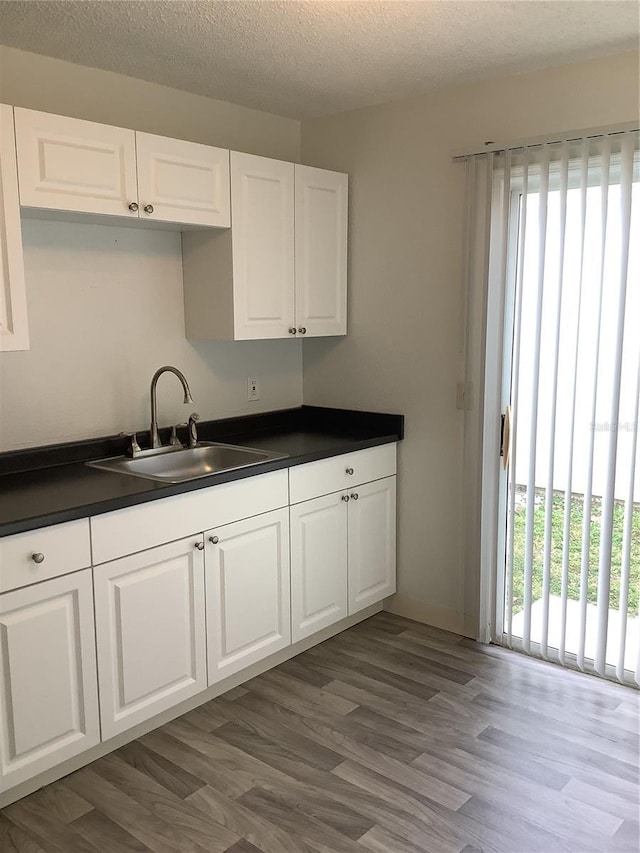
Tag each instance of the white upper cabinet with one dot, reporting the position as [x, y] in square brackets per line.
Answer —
[321, 251]
[282, 270]
[48, 689]
[14, 332]
[182, 181]
[69, 164]
[263, 246]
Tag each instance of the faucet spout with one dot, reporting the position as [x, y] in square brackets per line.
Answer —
[155, 438]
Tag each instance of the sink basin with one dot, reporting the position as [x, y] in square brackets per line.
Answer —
[188, 463]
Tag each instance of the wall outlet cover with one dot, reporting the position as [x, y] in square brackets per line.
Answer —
[253, 390]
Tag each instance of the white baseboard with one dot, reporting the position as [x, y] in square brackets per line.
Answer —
[218, 689]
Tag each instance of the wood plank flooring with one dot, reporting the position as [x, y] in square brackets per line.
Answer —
[390, 738]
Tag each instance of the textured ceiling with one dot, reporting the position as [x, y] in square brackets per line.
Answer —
[305, 58]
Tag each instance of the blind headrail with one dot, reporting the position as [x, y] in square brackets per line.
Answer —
[492, 146]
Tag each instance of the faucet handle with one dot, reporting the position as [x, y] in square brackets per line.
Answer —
[194, 417]
[174, 441]
[134, 448]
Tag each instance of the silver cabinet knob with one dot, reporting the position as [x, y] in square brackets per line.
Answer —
[200, 546]
[345, 498]
[148, 208]
[303, 330]
[214, 540]
[133, 207]
[37, 558]
[348, 471]
[354, 496]
[293, 330]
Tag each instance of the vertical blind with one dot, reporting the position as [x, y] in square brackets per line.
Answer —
[565, 223]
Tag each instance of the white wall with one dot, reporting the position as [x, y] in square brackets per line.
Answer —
[105, 302]
[402, 350]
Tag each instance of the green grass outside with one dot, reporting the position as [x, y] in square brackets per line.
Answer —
[575, 549]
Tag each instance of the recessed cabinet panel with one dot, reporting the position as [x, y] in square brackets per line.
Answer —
[14, 331]
[372, 543]
[263, 246]
[247, 571]
[321, 251]
[69, 164]
[182, 181]
[48, 687]
[150, 632]
[318, 565]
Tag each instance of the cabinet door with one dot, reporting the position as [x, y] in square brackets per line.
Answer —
[14, 333]
[247, 570]
[263, 246]
[69, 164]
[321, 251]
[318, 564]
[372, 543]
[48, 690]
[150, 631]
[182, 181]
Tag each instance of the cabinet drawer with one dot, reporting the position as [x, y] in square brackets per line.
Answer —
[137, 528]
[65, 548]
[330, 475]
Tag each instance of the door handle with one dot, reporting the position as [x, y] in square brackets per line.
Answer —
[505, 437]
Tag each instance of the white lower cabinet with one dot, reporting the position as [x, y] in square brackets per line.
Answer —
[319, 564]
[372, 543]
[48, 690]
[247, 582]
[150, 631]
[343, 554]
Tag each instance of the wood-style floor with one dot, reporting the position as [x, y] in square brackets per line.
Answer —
[391, 737]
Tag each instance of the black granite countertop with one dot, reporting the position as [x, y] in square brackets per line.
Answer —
[49, 485]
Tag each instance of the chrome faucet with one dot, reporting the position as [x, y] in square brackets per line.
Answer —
[155, 438]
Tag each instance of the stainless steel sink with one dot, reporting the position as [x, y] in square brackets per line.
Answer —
[181, 464]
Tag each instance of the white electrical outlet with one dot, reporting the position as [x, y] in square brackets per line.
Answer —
[253, 390]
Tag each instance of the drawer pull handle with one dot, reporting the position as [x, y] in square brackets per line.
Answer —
[200, 546]
[38, 558]
[349, 471]
[345, 498]
[214, 540]
[354, 496]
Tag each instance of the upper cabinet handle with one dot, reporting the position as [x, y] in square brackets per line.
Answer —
[148, 208]
[133, 207]
[303, 330]
[293, 330]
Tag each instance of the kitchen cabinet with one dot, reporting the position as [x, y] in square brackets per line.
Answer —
[14, 331]
[247, 591]
[372, 543]
[318, 564]
[321, 251]
[69, 164]
[343, 544]
[48, 689]
[150, 632]
[282, 269]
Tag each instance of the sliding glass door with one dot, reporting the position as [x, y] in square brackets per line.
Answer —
[571, 535]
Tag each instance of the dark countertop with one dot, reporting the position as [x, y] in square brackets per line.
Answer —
[49, 485]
